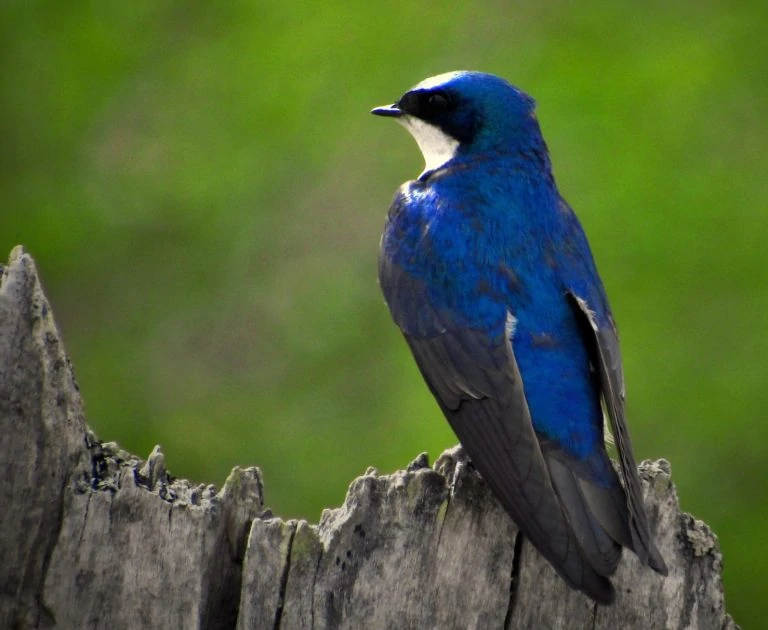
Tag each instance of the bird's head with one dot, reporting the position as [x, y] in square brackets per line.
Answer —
[465, 113]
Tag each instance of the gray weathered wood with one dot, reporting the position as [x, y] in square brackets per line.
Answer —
[94, 537]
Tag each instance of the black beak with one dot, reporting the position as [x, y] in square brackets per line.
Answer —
[391, 111]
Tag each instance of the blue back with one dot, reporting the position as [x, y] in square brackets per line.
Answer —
[486, 240]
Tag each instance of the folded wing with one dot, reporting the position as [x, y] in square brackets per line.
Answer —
[605, 352]
[476, 381]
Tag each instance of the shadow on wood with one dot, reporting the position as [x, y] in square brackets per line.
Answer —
[93, 537]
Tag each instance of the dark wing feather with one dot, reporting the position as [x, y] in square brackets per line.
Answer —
[495, 429]
[592, 510]
[477, 384]
[612, 378]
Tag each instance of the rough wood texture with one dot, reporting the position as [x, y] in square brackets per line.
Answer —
[93, 537]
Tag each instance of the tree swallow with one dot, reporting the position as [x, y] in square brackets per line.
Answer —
[487, 272]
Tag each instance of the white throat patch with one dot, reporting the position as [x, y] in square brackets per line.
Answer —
[436, 145]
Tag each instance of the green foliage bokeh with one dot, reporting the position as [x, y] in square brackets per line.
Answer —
[203, 190]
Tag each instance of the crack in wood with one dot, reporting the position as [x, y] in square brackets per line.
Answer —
[514, 580]
[284, 579]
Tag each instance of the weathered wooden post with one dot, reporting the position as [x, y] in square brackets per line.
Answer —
[93, 537]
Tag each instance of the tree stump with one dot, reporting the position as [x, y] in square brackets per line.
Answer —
[94, 537]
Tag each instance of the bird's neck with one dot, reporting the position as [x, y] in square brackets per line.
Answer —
[530, 159]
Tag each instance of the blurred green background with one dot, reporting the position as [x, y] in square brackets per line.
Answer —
[203, 190]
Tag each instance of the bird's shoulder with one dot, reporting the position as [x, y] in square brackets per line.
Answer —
[427, 226]
[414, 202]
[437, 257]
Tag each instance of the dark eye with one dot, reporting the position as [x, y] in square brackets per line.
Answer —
[437, 102]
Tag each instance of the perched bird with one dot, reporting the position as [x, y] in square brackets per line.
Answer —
[487, 272]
